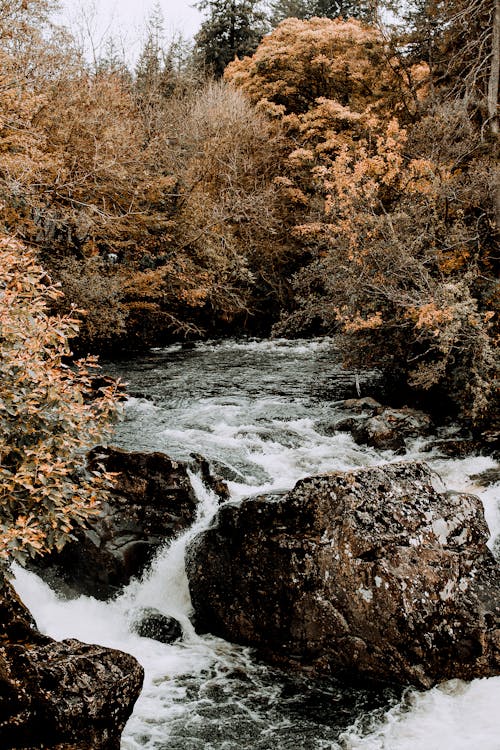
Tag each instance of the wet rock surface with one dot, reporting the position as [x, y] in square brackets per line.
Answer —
[382, 427]
[152, 501]
[368, 573]
[63, 694]
[459, 446]
[151, 623]
[487, 477]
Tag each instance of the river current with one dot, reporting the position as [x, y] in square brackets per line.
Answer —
[262, 413]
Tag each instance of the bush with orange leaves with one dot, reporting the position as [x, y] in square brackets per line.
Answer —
[394, 197]
[49, 414]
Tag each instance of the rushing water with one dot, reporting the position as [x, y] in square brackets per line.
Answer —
[262, 413]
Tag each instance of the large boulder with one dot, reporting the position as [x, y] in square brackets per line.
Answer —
[151, 501]
[60, 693]
[367, 573]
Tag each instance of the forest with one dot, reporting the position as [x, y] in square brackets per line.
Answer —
[302, 168]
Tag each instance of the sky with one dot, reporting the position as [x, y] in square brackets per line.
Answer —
[125, 19]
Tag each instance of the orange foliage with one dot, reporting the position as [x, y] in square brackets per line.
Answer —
[49, 414]
[395, 221]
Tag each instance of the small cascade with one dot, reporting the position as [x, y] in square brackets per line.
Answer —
[164, 586]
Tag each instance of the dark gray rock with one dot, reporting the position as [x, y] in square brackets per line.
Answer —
[487, 477]
[60, 694]
[382, 427]
[151, 501]
[151, 623]
[462, 445]
[368, 573]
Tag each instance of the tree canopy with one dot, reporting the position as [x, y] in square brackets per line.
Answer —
[232, 28]
[393, 194]
[338, 175]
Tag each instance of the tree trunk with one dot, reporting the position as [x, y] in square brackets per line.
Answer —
[494, 72]
[493, 83]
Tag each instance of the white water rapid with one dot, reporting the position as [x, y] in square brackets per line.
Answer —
[261, 412]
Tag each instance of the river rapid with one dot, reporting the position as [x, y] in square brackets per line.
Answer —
[262, 413]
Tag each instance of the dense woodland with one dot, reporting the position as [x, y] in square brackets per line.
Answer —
[305, 167]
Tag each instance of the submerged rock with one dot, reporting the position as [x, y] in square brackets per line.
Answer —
[152, 501]
[367, 573]
[151, 623]
[60, 694]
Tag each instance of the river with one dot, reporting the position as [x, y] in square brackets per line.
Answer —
[262, 413]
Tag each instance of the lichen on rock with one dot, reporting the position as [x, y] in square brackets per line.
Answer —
[369, 573]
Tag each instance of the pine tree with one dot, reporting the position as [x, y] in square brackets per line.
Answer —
[148, 71]
[112, 61]
[366, 10]
[233, 28]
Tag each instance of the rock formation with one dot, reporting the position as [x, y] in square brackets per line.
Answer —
[152, 501]
[367, 573]
[382, 427]
[63, 694]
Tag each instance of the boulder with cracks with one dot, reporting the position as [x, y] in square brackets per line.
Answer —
[60, 694]
[367, 573]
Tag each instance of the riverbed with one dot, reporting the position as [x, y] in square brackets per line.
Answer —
[263, 414]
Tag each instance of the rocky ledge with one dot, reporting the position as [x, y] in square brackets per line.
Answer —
[369, 573]
[151, 501]
[63, 694]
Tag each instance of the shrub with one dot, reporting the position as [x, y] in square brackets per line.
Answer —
[49, 414]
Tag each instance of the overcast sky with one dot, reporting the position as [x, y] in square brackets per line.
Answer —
[126, 18]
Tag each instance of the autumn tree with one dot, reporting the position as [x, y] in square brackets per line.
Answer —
[300, 63]
[405, 268]
[49, 414]
[232, 28]
[392, 196]
[329, 83]
[226, 227]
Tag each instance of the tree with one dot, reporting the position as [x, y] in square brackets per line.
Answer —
[233, 28]
[405, 268]
[149, 68]
[391, 194]
[49, 415]
[112, 60]
[164, 68]
[306, 9]
[460, 40]
[303, 62]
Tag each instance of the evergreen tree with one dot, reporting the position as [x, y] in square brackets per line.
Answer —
[164, 67]
[233, 28]
[149, 68]
[112, 61]
[305, 9]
